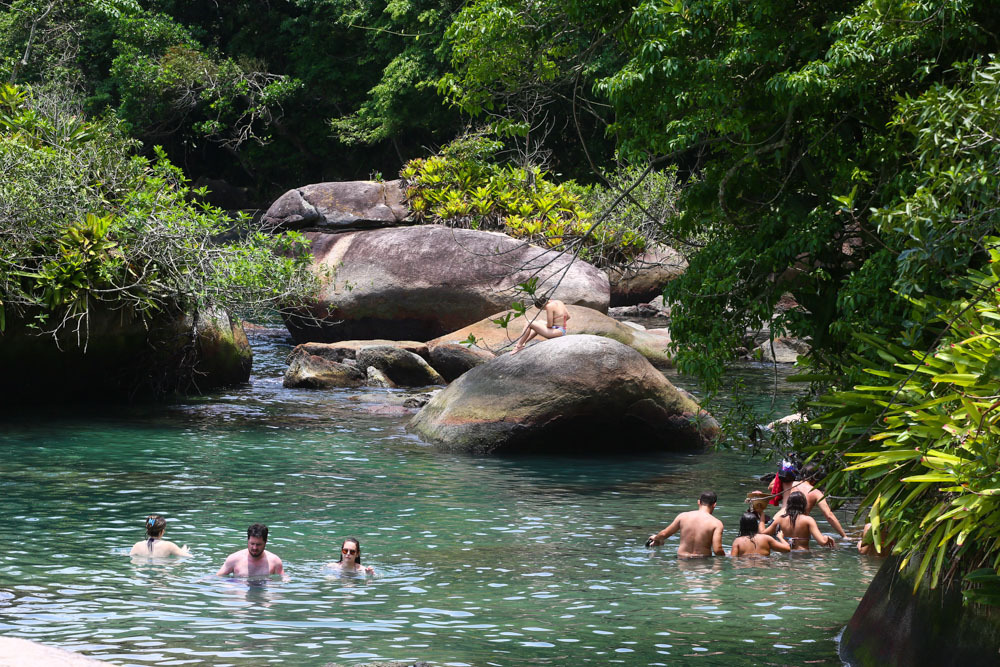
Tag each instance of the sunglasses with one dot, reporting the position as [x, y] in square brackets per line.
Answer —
[349, 551]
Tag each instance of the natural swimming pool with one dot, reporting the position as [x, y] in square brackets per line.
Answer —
[480, 561]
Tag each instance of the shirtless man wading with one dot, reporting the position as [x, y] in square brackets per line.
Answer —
[254, 561]
[701, 533]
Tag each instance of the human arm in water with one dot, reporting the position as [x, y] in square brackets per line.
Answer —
[228, 567]
[656, 539]
[820, 538]
[717, 540]
[778, 545]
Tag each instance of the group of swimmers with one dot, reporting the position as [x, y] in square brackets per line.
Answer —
[254, 561]
[791, 530]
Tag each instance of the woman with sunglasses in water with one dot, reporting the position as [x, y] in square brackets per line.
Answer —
[751, 542]
[350, 558]
[154, 546]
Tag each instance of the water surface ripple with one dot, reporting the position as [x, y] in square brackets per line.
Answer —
[479, 561]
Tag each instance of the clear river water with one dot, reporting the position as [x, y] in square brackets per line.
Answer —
[479, 561]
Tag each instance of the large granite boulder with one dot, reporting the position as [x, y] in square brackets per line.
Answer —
[338, 206]
[402, 368]
[574, 394]
[421, 282]
[115, 355]
[893, 626]
[643, 279]
[496, 339]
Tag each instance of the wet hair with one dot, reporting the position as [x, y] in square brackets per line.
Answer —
[540, 301]
[708, 498]
[257, 530]
[357, 557]
[796, 505]
[155, 524]
[811, 471]
[749, 525]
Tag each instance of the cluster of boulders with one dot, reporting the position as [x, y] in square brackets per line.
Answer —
[428, 305]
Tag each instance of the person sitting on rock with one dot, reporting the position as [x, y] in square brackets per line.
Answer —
[701, 533]
[154, 546]
[556, 317]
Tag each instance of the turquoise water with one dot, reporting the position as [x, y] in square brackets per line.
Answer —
[479, 561]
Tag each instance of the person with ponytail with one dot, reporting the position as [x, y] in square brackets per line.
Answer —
[154, 546]
[797, 526]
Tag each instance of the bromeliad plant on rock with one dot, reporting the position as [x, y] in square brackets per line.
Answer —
[463, 187]
[925, 438]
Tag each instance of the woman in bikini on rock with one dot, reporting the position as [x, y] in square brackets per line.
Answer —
[554, 326]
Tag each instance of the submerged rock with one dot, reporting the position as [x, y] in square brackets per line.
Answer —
[573, 394]
[423, 281]
[348, 349]
[496, 339]
[22, 652]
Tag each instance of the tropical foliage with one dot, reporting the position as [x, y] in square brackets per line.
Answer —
[85, 224]
[463, 187]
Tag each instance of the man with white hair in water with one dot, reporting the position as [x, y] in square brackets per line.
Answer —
[255, 560]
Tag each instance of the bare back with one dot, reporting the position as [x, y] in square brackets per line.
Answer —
[699, 531]
[157, 548]
[556, 314]
[799, 534]
[758, 545]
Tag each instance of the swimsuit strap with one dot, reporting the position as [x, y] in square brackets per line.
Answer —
[149, 544]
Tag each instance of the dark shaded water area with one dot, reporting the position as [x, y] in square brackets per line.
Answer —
[534, 561]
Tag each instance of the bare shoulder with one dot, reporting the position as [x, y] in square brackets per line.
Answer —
[138, 549]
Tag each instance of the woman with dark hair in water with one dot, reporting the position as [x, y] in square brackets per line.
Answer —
[154, 546]
[751, 542]
[350, 558]
[797, 526]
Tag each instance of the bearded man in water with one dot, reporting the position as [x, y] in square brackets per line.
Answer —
[255, 560]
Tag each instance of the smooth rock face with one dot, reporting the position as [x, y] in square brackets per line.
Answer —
[23, 653]
[786, 350]
[338, 206]
[892, 626]
[423, 281]
[451, 360]
[348, 349]
[572, 394]
[498, 340]
[124, 357]
[310, 371]
[643, 279]
[402, 368]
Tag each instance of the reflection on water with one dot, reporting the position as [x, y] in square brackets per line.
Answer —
[479, 561]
